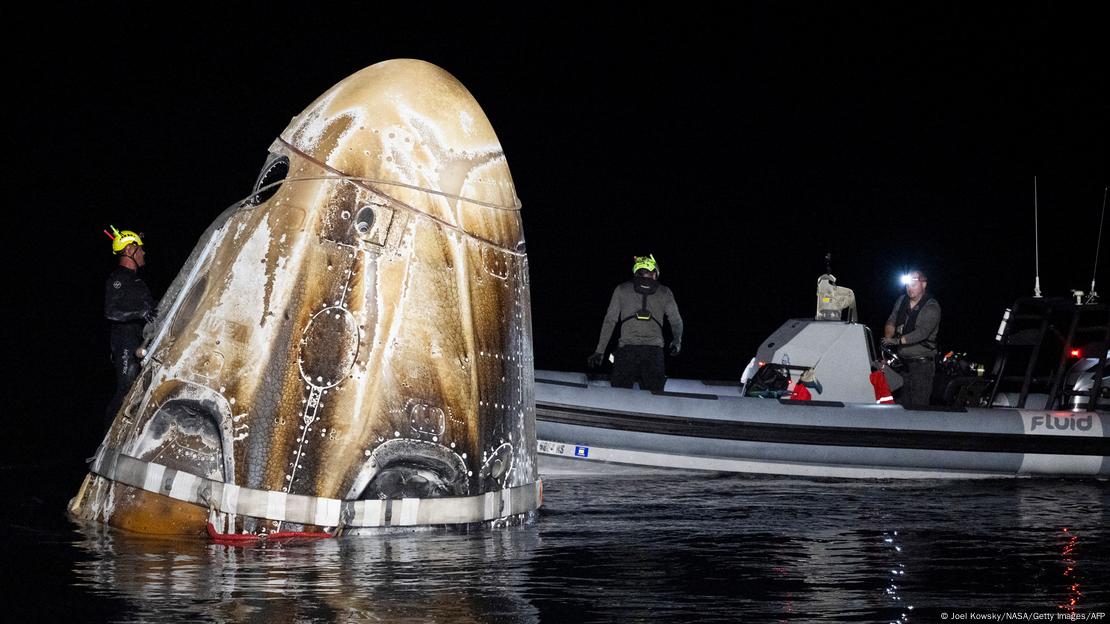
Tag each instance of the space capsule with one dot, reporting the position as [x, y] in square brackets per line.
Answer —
[347, 349]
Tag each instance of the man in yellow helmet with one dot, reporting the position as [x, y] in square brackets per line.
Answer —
[639, 306]
[128, 306]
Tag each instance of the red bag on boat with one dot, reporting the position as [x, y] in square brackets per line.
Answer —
[800, 393]
[882, 389]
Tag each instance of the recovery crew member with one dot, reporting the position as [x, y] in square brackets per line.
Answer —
[639, 306]
[912, 329]
[128, 306]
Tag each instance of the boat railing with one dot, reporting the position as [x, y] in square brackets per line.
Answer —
[1036, 345]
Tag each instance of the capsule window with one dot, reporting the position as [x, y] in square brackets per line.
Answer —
[364, 221]
[270, 179]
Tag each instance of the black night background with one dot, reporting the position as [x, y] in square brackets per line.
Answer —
[737, 142]
[738, 146]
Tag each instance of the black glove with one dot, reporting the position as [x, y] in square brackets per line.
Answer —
[150, 316]
[595, 360]
[675, 348]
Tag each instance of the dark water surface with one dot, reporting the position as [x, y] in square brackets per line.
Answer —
[675, 548]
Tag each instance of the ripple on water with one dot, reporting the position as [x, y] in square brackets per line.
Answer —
[701, 548]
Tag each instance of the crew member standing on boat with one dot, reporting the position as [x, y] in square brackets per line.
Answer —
[639, 306]
[912, 330]
[128, 306]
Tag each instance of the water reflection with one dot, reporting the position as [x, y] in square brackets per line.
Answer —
[1084, 505]
[1066, 557]
[395, 578]
[897, 578]
[710, 549]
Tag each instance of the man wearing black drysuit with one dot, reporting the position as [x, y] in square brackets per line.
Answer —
[128, 306]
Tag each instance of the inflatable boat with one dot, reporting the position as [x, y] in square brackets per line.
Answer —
[758, 425]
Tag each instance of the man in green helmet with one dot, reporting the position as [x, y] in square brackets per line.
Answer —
[128, 306]
[639, 307]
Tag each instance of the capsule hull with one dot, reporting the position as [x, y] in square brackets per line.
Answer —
[354, 334]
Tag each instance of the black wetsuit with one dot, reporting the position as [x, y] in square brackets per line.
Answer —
[128, 306]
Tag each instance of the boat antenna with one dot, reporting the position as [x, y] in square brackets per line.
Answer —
[1036, 244]
[1093, 297]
